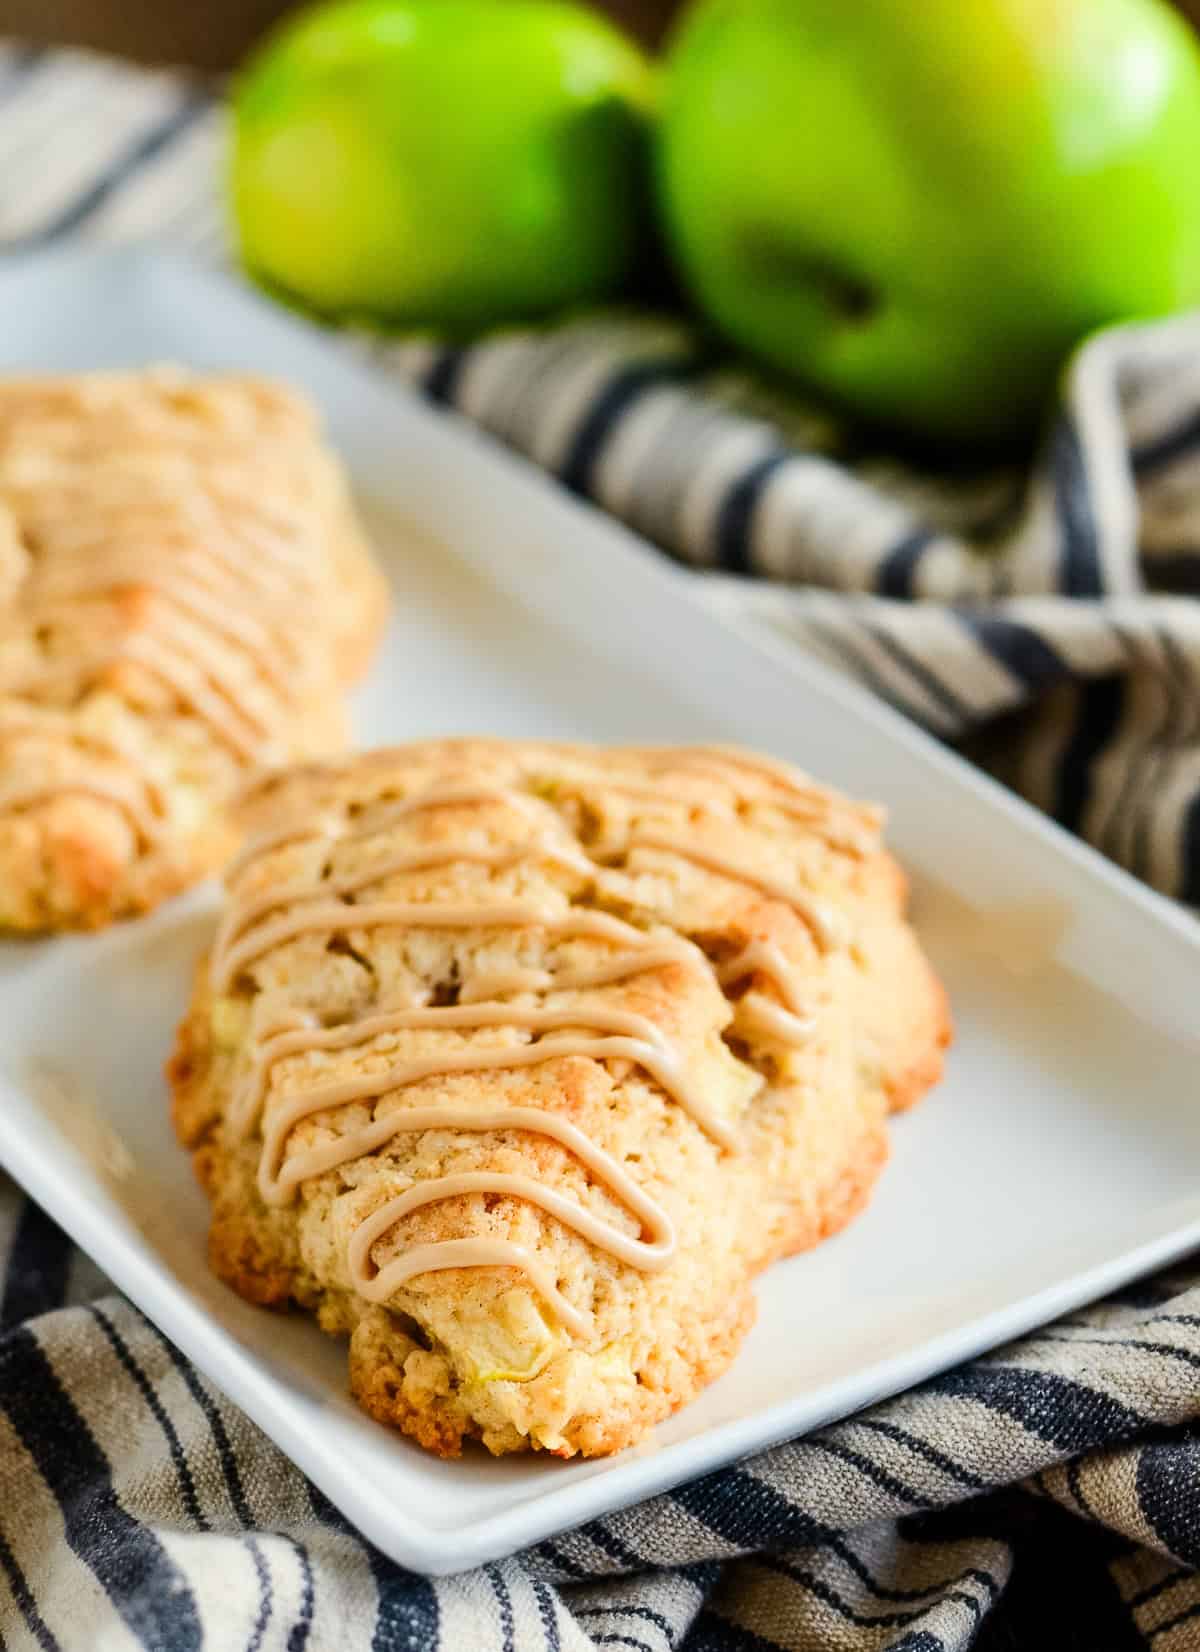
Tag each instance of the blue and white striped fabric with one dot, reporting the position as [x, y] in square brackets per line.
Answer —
[1047, 1496]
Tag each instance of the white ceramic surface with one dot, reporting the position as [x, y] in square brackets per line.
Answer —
[1058, 1158]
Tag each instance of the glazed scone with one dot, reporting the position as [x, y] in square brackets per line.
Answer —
[516, 1062]
[184, 596]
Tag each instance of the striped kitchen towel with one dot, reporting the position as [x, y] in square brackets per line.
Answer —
[1043, 616]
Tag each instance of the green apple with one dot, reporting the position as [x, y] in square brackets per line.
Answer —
[442, 163]
[918, 206]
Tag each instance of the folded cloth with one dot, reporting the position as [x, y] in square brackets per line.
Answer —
[1045, 1496]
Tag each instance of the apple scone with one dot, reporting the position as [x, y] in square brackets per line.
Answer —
[515, 1062]
[184, 596]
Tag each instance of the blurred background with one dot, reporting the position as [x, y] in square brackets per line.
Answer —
[587, 172]
[215, 33]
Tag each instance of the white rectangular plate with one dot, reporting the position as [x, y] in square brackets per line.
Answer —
[1058, 1159]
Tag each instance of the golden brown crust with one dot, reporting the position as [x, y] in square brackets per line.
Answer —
[165, 541]
[743, 863]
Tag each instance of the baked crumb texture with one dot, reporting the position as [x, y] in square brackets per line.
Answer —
[184, 596]
[482, 994]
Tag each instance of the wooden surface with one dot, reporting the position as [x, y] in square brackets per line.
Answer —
[212, 34]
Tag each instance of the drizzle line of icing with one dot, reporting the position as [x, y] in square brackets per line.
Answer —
[163, 520]
[624, 1037]
[649, 1253]
[820, 920]
[636, 1039]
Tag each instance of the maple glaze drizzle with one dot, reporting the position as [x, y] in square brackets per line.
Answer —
[229, 957]
[195, 594]
[792, 1023]
[854, 828]
[159, 525]
[390, 814]
[820, 920]
[107, 789]
[650, 1251]
[291, 831]
[143, 812]
[189, 677]
[596, 1032]
[238, 942]
[635, 1039]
